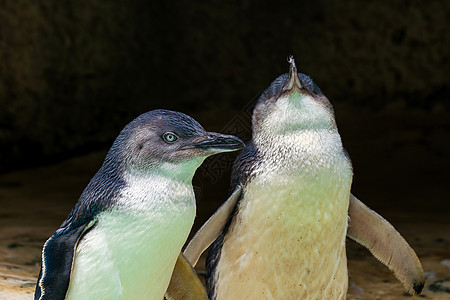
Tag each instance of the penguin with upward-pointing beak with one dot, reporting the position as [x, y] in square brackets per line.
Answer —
[124, 236]
[281, 234]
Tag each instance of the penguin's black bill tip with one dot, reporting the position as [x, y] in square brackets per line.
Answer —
[216, 142]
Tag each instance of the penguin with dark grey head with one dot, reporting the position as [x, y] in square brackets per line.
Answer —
[124, 236]
[281, 234]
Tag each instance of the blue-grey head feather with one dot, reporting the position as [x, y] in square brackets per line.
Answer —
[275, 88]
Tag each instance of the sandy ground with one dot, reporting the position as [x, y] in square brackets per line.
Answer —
[34, 202]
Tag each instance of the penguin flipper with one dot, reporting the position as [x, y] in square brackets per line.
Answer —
[57, 260]
[185, 283]
[385, 243]
[211, 229]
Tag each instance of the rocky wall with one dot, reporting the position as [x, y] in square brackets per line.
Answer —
[73, 73]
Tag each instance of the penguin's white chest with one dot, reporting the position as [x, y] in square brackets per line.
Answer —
[131, 251]
[287, 240]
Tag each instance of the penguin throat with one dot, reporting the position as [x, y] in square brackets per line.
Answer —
[295, 112]
[181, 171]
[156, 193]
[301, 152]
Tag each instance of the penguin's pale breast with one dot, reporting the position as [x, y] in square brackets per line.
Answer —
[131, 252]
[287, 240]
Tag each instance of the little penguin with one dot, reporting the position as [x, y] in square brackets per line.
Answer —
[123, 237]
[282, 232]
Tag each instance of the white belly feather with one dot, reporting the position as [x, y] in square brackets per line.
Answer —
[131, 251]
[287, 240]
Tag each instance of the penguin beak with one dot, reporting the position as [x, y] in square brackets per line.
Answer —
[215, 142]
[293, 82]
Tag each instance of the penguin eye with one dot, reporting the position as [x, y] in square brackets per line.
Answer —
[170, 137]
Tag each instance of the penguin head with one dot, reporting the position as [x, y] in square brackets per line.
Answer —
[162, 141]
[292, 102]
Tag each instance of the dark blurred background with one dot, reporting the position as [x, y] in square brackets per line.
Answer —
[74, 73]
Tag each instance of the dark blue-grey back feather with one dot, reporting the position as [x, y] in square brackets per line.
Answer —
[59, 249]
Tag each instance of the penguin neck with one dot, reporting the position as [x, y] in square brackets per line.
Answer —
[182, 171]
[291, 113]
[298, 144]
[167, 189]
[307, 153]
